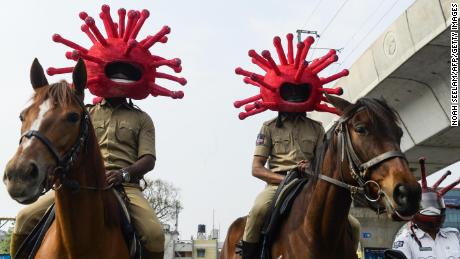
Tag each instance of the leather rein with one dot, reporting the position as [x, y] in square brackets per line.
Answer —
[65, 162]
[359, 170]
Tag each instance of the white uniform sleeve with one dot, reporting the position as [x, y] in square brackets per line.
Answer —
[401, 243]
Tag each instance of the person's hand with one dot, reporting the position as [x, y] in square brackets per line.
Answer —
[114, 177]
[302, 165]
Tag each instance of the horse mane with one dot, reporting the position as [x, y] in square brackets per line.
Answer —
[382, 117]
[59, 93]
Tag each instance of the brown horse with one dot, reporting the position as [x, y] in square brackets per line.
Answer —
[317, 226]
[58, 149]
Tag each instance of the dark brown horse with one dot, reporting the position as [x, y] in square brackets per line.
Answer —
[58, 149]
[317, 226]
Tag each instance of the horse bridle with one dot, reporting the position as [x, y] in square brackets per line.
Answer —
[359, 170]
[65, 162]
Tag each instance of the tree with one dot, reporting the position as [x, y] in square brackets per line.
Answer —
[5, 242]
[164, 199]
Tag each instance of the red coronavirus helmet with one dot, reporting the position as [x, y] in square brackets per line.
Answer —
[432, 212]
[291, 86]
[118, 65]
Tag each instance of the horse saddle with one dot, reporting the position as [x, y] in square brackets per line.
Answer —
[282, 202]
[33, 241]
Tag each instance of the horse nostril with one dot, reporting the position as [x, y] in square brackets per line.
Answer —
[34, 171]
[401, 195]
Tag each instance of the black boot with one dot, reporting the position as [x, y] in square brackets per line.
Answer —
[250, 250]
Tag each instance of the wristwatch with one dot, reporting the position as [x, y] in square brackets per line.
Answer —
[126, 176]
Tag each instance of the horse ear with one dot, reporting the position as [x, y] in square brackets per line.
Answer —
[339, 103]
[79, 77]
[37, 75]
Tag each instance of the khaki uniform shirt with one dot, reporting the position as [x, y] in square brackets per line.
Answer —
[284, 147]
[124, 133]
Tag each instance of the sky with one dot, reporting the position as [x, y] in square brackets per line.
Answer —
[202, 146]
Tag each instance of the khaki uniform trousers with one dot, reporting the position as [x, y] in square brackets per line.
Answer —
[145, 222]
[256, 217]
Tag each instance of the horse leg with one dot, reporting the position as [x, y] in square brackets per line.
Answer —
[234, 235]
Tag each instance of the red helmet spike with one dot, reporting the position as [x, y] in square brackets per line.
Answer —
[68, 43]
[248, 80]
[144, 15]
[155, 38]
[300, 47]
[180, 80]
[261, 82]
[121, 22]
[108, 22]
[280, 50]
[77, 54]
[85, 29]
[83, 15]
[300, 71]
[254, 98]
[291, 86]
[158, 90]
[266, 54]
[325, 64]
[319, 61]
[92, 25]
[289, 38]
[261, 62]
[336, 90]
[449, 187]
[69, 55]
[308, 42]
[54, 71]
[438, 182]
[131, 44]
[172, 63]
[334, 77]
[132, 19]
[324, 108]
[423, 173]
[244, 115]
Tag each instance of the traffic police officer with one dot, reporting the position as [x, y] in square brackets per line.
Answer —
[424, 238]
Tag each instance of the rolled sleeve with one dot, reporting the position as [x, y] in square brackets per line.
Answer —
[147, 138]
[263, 142]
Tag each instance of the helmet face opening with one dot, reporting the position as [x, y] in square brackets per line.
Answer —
[431, 202]
[295, 93]
[123, 72]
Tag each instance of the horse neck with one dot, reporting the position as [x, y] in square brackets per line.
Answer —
[327, 205]
[80, 215]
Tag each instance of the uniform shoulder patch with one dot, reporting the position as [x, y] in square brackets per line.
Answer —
[398, 244]
[260, 139]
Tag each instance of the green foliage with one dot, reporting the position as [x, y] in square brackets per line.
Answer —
[5, 242]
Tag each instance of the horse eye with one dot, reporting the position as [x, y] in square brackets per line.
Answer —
[73, 117]
[360, 129]
[21, 117]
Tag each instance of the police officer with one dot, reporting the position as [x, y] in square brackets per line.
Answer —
[424, 238]
[286, 143]
[126, 138]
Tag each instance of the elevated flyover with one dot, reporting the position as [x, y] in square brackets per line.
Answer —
[409, 66]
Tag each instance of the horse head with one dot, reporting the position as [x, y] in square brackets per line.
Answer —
[367, 137]
[52, 133]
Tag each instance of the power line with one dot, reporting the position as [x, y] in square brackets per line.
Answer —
[368, 33]
[312, 12]
[329, 23]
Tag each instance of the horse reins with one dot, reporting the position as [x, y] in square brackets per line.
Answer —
[359, 171]
[64, 163]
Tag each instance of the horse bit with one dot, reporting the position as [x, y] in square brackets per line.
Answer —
[64, 163]
[358, 170]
